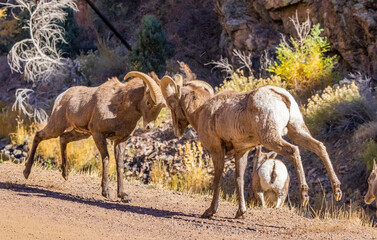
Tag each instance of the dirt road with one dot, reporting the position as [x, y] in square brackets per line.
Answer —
[47, 207]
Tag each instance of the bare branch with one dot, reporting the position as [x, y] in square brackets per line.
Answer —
[224, 65]
[37, 57]
[245, 60]
[302, 29]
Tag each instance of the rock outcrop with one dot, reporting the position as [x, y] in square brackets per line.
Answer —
[256, 25]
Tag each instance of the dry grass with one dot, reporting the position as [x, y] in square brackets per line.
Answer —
[195, 177]
[324, 209]
[82, 156]
[337, 110]
[241, 83]
[7, 123]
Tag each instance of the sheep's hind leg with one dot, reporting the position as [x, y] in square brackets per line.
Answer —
[118, 150]
[288, 150]
[302, 137]
[66, 138]
[101, 144]
[241, 161]
[41, 135]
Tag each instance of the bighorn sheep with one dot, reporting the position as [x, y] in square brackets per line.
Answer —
[110, 110]
[233, 123]
[372, 186]
[270, 178]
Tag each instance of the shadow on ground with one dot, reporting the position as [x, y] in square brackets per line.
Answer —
[217, 222]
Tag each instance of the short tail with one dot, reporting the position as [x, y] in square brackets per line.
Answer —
[273, 174]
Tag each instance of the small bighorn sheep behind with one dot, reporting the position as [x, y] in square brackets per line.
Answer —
[372, 186]
[110, 110]
[270, 178]
[232, 123]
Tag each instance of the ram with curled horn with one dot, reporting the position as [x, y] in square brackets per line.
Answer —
[109, 111]
[232, 123]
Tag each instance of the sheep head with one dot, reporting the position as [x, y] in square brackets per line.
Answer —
[171, 90]
[369, 197]
[152, 102]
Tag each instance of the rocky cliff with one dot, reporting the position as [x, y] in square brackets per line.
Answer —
[256, 25]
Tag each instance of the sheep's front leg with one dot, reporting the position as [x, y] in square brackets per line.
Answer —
[118, 150]
[241, 161]
[218, 163]
[101, 144]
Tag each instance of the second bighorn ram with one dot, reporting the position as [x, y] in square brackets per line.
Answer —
[110, 110]
[232, 123]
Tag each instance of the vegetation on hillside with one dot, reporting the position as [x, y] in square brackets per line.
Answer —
[152, 48]
[302, 61]
[303, 67]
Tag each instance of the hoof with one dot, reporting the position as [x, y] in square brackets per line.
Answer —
[26, 173]
[207, 214]
[240, 214]
[65, 175]
[125, 198]
[106, 194]
[304, 196]
[337, 194]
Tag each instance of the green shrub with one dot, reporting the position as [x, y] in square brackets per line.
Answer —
[369, 153]
[302, 62]
[97, 66]
[11, 30]
[152, 50]
[337, 110]
[70, 35]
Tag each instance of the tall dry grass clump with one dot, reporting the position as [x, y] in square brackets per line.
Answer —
[194, 178]
[239, 82]
[337, 110]
[328, 210]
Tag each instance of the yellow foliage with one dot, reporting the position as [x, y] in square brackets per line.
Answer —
[82, 156]
[337, 110]
[7, 123]
[240, 83]
[331, 96]
[3, 13]
[303, 64]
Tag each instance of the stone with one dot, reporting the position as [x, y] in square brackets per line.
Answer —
[254, 26]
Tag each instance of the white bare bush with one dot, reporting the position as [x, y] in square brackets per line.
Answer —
[38, 57]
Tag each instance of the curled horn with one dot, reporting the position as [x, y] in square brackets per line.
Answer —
[166, 89]
[202, 84]
[155, 90]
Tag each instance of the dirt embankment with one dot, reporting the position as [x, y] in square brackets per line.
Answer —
[47, 207]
